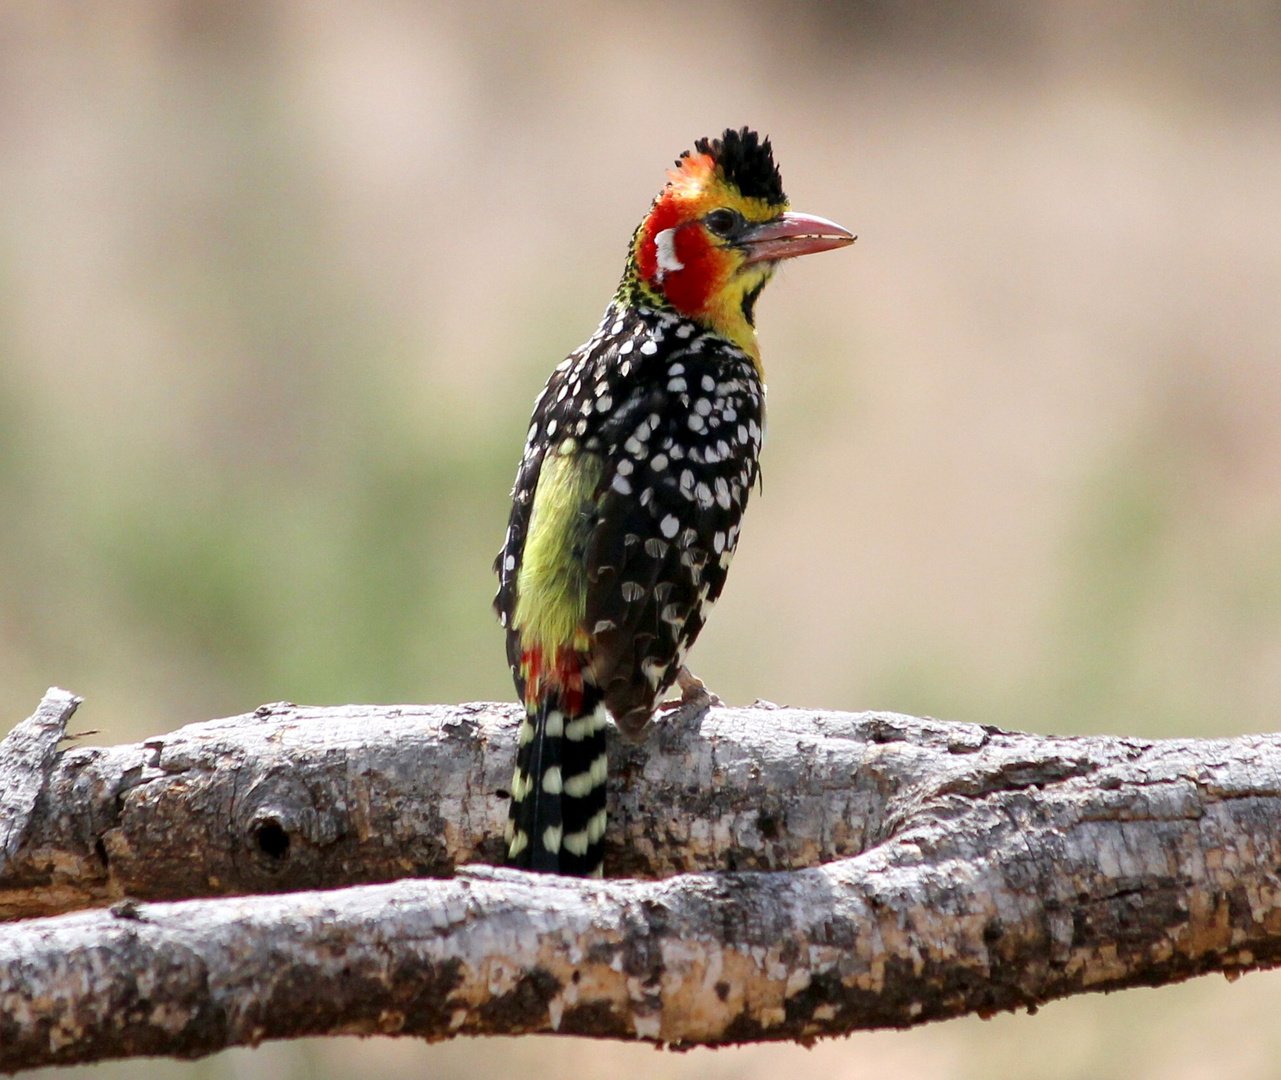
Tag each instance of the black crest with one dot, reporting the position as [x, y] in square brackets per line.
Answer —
[746, 161]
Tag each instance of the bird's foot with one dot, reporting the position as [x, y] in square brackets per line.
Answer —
[695, 697]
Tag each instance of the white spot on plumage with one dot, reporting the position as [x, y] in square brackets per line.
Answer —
[604, 404]
[648, 348]
[596, 826]
[704, 495]
[708, 383]
[696, 422]
[703, 407]
[551, 780]
[658, 462]
[621, 484]
[551, 838]
[625, 467]
[665, 253]
[677, 368]
[578, 786]
[684, 330]
[669, 526]
[677, 385]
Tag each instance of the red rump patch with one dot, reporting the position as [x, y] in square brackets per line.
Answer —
[563, 674]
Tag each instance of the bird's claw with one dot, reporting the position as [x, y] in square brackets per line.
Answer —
[694, 694]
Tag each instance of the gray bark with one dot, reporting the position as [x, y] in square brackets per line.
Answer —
[965, 869]
[27, 755]
[290, 798]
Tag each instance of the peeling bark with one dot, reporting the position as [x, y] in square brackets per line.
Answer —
[27, 755]
[967, 869]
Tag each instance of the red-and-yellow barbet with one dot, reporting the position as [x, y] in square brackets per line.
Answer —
[627, 505]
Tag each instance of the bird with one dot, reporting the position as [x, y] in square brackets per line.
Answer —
[626, 509]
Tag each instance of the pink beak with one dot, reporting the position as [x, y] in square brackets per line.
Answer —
[793, 234]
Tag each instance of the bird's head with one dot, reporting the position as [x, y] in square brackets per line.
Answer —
[715, 233]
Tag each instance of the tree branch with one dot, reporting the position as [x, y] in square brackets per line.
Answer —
[984, 870]
[26, 757]
[290, 798]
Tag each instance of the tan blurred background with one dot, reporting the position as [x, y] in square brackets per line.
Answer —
[279, 282]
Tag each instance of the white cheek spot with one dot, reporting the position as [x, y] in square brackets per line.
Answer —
[665, 249]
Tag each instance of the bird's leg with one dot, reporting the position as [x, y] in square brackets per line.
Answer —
[694, 694]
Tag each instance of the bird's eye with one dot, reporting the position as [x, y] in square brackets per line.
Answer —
[722, 222]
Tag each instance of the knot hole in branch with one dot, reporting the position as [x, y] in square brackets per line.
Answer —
[271, 840]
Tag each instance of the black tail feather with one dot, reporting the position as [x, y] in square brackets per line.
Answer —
[556, 822]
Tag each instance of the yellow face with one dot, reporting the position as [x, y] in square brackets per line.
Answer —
[687, 249]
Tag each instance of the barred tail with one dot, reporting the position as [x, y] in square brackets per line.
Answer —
[556, 823]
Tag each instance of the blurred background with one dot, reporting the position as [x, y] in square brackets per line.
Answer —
[279, 282]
